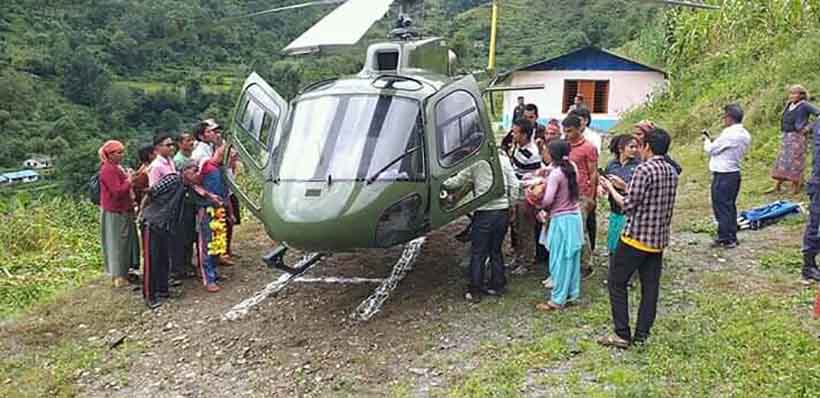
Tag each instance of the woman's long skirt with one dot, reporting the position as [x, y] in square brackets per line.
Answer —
[564, 241]
[792, 158]
[119, 242]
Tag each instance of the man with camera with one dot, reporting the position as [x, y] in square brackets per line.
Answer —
[725, 154]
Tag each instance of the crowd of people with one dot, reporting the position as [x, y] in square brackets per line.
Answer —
[175, 201]
[553, 190]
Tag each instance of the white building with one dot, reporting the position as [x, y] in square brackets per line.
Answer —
[17, 177]
[611, 85]
[37, 162]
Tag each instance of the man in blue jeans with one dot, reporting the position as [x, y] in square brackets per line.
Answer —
[811, 237]
[725, 154]
[489, 226]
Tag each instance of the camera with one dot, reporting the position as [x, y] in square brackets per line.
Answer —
[705, 133]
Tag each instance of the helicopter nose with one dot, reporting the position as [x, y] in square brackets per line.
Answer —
[343, 215]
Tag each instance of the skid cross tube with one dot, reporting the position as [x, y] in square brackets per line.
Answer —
[242, 309]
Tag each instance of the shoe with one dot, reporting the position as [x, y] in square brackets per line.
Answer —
[811, 274]
[221, 278]
[613, 341]
[173, 282]
[548, 283]
[226, 261]
[472, 297]
[721, 244]
[212, 288]
[134, 278]
[153, 304]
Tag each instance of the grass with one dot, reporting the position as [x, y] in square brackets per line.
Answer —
[63, 339]
[720, 332]
[706, 342]
[49, 244]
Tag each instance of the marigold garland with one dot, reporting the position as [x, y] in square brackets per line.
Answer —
[219, 232]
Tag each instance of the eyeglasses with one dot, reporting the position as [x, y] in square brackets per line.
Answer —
[170, 144]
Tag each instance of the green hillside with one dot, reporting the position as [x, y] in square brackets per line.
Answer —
[749, 52]
[73, 73]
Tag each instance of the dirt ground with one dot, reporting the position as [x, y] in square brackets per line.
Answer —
[302, 343]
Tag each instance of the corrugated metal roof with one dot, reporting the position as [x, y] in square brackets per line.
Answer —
[588, 58]
[20, 174]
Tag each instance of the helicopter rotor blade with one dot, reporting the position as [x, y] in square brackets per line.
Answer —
[688, 3]
[345, 26]
[203, 27]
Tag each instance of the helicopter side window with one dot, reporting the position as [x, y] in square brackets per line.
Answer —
[257, 118]
[458, 127]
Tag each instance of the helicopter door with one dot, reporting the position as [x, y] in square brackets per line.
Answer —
[255, 136]
[464, 166]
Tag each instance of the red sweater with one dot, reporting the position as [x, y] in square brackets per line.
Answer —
[115, 190]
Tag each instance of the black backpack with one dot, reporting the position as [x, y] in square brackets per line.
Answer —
[94, 189]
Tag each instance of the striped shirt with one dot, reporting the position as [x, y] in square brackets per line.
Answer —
[526, 159]
[649, 203]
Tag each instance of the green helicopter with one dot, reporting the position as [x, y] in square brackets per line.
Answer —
[359, 161]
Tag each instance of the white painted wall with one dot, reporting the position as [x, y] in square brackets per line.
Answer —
[627, 89]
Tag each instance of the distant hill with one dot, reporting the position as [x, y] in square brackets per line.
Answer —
[73, 73]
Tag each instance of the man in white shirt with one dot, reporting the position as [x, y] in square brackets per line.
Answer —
[725, 154]
[489, 226]
[207, 134]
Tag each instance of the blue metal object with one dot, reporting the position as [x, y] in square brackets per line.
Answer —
[766, 215]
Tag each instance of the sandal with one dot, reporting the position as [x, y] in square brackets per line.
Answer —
[613, 341]
[549, 306]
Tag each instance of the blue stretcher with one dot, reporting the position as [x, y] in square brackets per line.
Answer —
[769, 214]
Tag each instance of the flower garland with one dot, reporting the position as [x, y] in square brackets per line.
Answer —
[219, 232]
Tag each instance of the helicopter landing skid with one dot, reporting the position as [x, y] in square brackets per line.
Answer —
[374, 303]
[242, 309]
[366, 310]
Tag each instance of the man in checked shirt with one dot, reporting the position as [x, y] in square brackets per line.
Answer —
[648, 205]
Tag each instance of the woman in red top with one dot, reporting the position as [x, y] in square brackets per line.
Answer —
[118, 230]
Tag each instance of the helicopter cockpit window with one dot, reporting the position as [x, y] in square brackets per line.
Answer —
[458, 127]
[257, 118]
[353, 138]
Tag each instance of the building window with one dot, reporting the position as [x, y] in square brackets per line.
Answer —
[595, 92]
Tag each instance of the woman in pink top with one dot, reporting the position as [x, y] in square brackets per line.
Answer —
[118, 232]
[564, 238]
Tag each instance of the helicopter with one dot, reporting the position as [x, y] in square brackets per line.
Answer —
[360, 161]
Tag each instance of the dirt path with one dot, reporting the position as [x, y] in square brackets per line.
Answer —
[302, 343]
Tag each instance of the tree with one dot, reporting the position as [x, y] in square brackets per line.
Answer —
[84, 79]
[117, 104]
